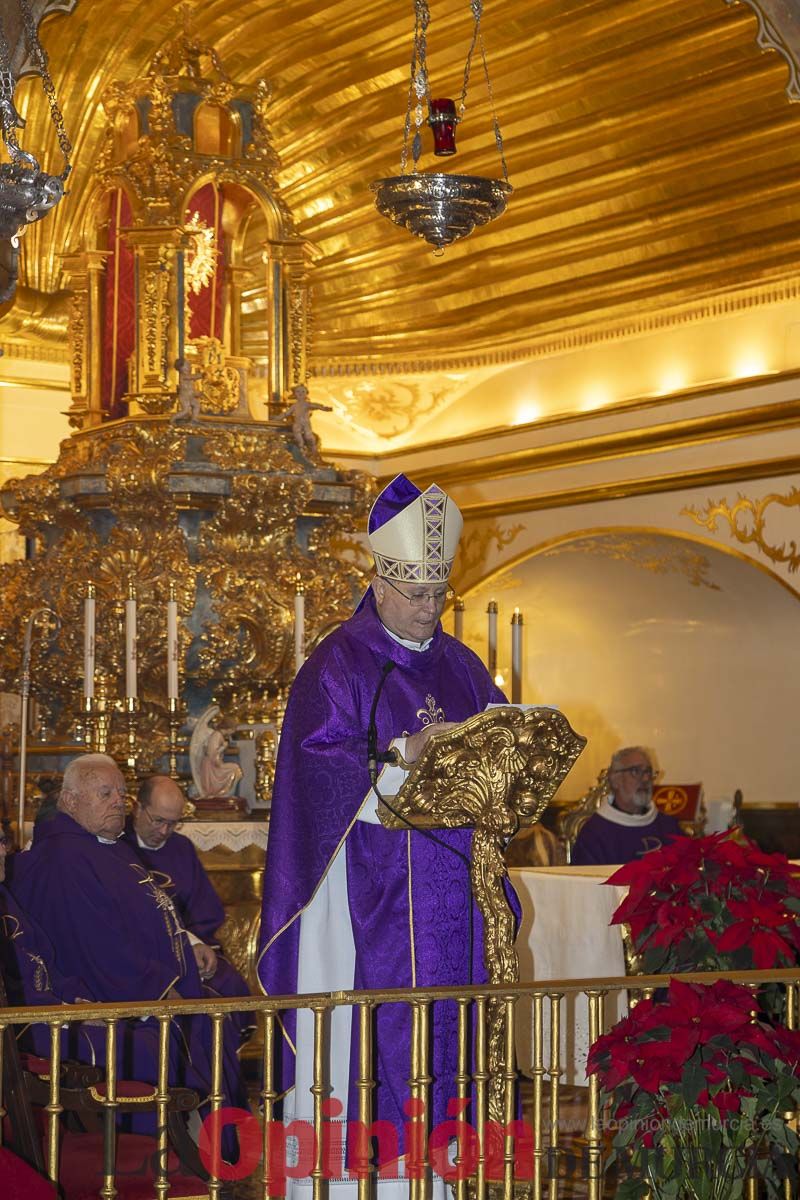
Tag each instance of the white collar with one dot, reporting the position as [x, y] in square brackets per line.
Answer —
[618, 817]
[143, 845]
[419, 646]
[107, 841]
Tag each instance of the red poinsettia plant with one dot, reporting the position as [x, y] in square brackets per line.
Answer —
[697, 1087]
[714, 903]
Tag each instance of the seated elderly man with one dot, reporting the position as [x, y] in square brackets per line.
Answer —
[109, 923]
[627, 824]
[172, 860]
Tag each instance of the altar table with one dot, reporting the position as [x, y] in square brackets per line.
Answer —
[565, 934]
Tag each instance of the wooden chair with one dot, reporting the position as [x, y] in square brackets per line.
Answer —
[92, 1146]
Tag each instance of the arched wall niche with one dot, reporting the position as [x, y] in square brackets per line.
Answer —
[217, 131]
[645, 637]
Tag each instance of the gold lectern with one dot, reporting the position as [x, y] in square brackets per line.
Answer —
[495, 772]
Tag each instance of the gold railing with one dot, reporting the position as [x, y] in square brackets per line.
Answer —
[527, 1152]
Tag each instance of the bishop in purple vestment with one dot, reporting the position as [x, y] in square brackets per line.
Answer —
[398, 902]
[174, 864]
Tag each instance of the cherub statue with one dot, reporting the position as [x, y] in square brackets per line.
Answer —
[298, 415]
[188, 401]
[211, 774]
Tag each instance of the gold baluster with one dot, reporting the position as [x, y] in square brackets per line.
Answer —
[462, 1087]
[364, 1086]
[555, 1092]
[509, 1097]
[162, 1105]
[318, 1093]
[593, 1131]
[481, 1093]
[215, 1098]
[268, 1097]
[538, 1083]
[53, 1107]
[109, 1189]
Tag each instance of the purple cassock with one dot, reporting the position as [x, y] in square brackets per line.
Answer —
[176, 868]
[110, 925]
[321, 782]
[603, 842]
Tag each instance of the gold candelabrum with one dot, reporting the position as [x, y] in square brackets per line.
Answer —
[178, 482]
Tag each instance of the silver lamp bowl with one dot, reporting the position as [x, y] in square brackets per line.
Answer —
[438, 207]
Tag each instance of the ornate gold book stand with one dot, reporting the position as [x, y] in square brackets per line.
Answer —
[494, 772]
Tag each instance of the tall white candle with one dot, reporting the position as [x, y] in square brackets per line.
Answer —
[88, 642]
[130, 645]
[299, 626]
[516, 657]
[491, 612]
[458, 619]
[172, 645]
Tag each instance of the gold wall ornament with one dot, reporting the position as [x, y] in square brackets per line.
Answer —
[778, 29]
[219, 385]
[494, 772]
[646, 551]
[477, 543]
[747, 521]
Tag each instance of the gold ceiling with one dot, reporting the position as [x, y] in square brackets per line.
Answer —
[653, 152]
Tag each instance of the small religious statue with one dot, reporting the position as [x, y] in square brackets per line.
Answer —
[188, 401]
[298, 415]
[212, 775]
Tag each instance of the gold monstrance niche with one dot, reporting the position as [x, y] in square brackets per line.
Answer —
[193, 475]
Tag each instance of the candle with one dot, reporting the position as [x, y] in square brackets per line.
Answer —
[172, 645]
[516, 657]
[130, 644]
[458, 619]
[491, 612]
[299, 626]
[88, 642]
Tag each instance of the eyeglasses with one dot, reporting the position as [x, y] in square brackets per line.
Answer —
[160, 822]
[637, 770]
[419, 599]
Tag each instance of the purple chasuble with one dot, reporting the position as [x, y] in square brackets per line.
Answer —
[112, 926]
[321, 781]
[176, 868]
[602, 842]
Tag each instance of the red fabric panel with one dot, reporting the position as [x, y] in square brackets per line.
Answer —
[206, 308]
[678, 800]
[81, 1174]
[18, 1181]
[119, 311]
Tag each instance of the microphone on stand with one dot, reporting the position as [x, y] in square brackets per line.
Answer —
[373, 758]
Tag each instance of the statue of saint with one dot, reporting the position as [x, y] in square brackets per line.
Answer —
[212, 775]
[188, 401]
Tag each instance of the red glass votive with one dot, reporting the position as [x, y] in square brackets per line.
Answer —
[443, 121]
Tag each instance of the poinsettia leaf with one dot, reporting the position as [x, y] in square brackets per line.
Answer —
[624, 1135]
[792, 903]
[693, 1082]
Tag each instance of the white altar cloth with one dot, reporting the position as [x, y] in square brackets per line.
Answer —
[565, 934]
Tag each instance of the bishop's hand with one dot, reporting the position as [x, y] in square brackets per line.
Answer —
[419, 740]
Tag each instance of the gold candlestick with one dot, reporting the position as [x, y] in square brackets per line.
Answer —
[175, 721]
[131, 713]
[102, 716]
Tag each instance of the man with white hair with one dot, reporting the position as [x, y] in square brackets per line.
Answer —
[627, 824]
[346, 901]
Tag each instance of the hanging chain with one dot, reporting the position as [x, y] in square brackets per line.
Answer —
[419, 85]
[9, 118]
[39, 57]
[476, 7]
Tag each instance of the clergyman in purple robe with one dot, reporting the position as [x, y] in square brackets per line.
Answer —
[347, 902]
[108, 922]
[627, 824]
[173, 862]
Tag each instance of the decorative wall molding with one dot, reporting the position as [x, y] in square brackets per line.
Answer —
[647, 551]
[747, 521]
[779, 29]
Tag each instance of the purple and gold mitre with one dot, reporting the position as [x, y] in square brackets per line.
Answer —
[414, 535]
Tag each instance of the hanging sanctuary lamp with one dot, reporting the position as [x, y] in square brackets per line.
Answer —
[438, 206]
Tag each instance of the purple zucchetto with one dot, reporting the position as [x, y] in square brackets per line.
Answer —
[414, 535]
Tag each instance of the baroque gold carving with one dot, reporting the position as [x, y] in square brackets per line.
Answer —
[494, 772]
[475, 546]
[648, 552]
[218, 385]
[747, 521]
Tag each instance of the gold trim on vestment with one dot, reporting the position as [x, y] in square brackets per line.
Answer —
[412, 943]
